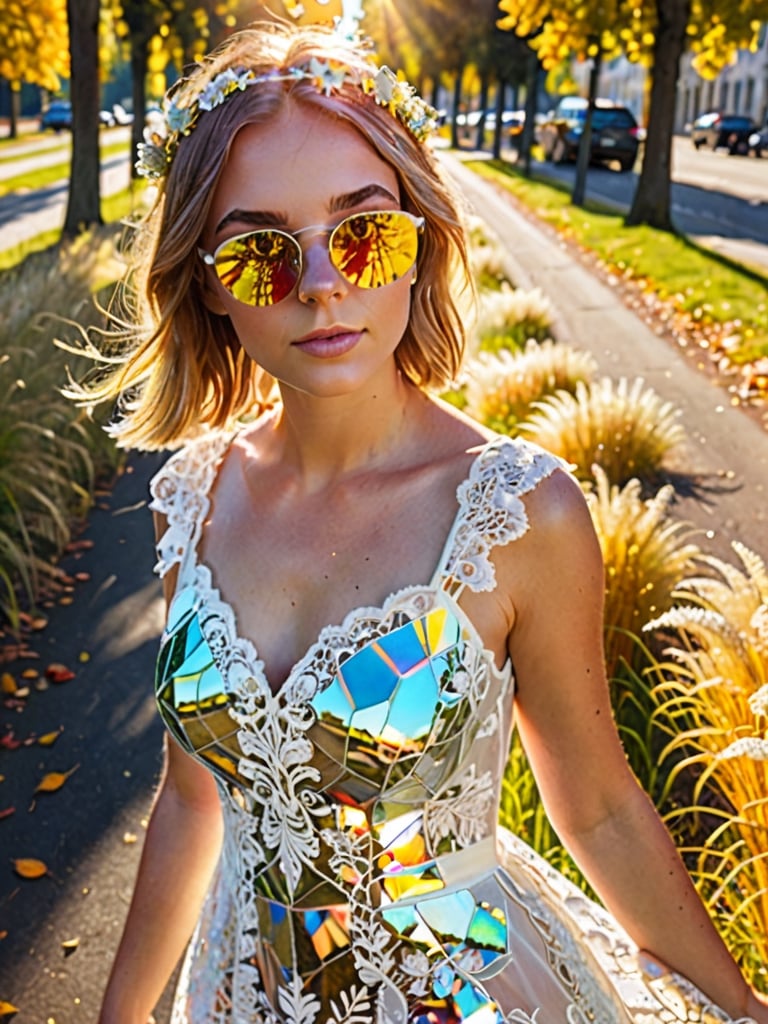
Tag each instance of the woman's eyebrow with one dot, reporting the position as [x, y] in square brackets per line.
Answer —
[269, 218]
[349, 199]
[262, 218]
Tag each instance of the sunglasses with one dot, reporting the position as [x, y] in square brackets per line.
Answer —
[370, 250]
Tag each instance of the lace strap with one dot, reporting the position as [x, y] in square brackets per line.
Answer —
[180, 491]
[491, 511]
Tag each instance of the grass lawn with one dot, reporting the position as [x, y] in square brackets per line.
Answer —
[49, 175]
[710, 291]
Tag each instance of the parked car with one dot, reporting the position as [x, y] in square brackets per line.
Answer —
[758, 141]
[615, 132]
[58, 116]
[723, 131]
[512, 121]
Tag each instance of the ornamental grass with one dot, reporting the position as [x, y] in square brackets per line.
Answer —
[646, 553]
[502, 387]
[713, 704]
[51, 452]
[623, 426]
[508, 317]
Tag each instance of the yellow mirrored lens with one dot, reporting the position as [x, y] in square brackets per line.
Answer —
[374, 249]
[261, 268]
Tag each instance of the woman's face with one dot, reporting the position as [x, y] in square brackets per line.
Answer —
[327, 337]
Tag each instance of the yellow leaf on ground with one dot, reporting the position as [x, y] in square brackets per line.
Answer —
[28, 867]
[49, 738]
[54, 780]
[69, 946]
[7, 683]
[6, 1008]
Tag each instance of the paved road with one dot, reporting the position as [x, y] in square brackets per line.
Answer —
[718, 200]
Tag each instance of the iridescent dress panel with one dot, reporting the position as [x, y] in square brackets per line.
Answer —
[364, 878]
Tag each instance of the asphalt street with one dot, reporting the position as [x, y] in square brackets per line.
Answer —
[89, 832]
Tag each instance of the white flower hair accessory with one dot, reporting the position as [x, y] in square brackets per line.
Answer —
[164, 131]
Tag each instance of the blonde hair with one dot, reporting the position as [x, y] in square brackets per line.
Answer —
[181, 367]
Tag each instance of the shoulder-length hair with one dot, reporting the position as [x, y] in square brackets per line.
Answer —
[182, 368]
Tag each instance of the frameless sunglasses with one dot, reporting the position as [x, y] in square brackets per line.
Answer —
[370, 250]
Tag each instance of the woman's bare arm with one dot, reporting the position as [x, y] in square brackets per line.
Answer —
[606, 820]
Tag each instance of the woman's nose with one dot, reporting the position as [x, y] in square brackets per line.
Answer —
[320, 280]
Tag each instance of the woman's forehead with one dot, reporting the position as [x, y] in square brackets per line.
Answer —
[300, 158]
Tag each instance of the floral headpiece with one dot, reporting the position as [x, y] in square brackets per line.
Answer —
[165, 130]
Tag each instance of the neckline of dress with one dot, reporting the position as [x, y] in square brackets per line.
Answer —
[196, 570]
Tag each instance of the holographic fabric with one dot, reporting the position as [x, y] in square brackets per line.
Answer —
[364, 878]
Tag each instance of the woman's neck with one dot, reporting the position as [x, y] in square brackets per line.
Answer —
[328, 438]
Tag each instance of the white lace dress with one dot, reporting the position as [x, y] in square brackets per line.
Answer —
[363, 876]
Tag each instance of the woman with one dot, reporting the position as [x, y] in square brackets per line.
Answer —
[352, 569]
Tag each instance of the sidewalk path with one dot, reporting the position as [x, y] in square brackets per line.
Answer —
[84, 831]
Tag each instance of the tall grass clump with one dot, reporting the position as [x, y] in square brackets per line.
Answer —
[51, 452]
[502, 387]
[624, 427]
[486, 256]
[646, 553]
[715, 699]
[508, 317]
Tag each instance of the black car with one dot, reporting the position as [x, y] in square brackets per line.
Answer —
[758, 141]
[58, 116]
[615, 133]
[723, 131]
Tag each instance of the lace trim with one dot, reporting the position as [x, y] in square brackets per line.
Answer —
[491, 512]
[181, 492]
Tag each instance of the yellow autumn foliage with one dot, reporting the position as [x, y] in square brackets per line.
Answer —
[34, 42]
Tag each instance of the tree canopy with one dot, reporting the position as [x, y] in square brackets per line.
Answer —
[34, 42]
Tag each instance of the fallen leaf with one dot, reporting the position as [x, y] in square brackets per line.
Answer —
[58, 673]
[66, 600]
[49, 738]
[129, 837]
[38, 623]
[7, 1008]
[82, 577]
[7, 683]
[28, 867]
[9, 741]
[54, 780]
[83, 657]
[69, 946]
[7, 812]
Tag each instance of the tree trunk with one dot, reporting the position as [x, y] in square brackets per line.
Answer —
[455, 140]
[139, 60]
[531, 91]
[480, 133]
[585, 142]
[652, 202]
[498, 128]
[83, 206]
[14, 109]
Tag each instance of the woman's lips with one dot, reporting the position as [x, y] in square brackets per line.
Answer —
[328, 344]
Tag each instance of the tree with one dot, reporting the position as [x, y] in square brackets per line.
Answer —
[714, 30]
[160, 33]
[33, 47]
[655, 33]
[560, 29]
[83, 204]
